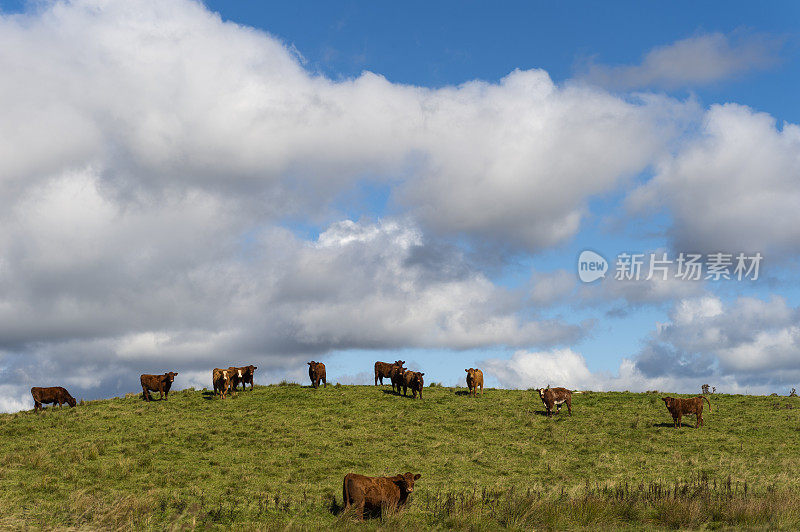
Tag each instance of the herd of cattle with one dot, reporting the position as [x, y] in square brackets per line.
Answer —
[364, 495]
[225, 380]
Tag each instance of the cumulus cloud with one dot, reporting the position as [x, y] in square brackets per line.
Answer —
[163, 95]
[749, 345]
[698, 60]
[734, 188]
[98, 306]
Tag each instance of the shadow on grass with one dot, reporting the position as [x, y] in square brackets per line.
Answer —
[672, 425]
[209, 396]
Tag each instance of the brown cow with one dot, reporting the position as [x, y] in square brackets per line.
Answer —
[384, 370]
[370, 495]
[242, 374]
[398, 376]
[222, 381]
[316, 371]
[413, 380]
[157, 383]
[692, 406]
[474, 379]
[556, 396]
[54, 394]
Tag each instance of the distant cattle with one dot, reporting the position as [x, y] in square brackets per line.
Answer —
[52, 395]
[316, 372]
[385, 370]
[242, 375]
[157, 383]
[474, 379]
[222, 381]
[692, 406]
[371, 495]
[556, 396]
[413, 380]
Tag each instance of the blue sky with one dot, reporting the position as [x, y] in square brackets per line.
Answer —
[187, 185]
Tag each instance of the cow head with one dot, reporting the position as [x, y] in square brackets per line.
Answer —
[406, 482]
[471, 372]
[251, 369]
[170, 376]
[542, 392]
[417, 379]
[71, 400]
[669, 401]
[399, 362]
[312, 363]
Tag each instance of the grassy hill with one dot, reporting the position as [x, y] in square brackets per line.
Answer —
[275, 458]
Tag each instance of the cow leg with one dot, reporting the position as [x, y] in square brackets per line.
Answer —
[481, 390]
[699, 421]
[324, 383]
[569, 406]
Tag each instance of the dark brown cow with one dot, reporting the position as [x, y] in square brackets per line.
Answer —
[413, 380]
[474, 379]
[371, 495]
[556, 396]
[54, 394]
[692, 406]
[398, 376]
[157, 383]
[316, 372]
[384, 370]
[222, 381]
[242, 374]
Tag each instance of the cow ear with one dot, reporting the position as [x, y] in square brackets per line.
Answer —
[416, 477]
[466, 370]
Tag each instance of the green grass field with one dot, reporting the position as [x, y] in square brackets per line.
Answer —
[275, 458]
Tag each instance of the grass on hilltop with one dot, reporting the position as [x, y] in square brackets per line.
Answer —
[275, 458]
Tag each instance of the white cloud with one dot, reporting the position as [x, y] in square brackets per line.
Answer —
[698, 60]
[163, 95]
[734, 188]
[748, 346]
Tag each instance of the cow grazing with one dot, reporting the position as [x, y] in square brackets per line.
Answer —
[54, 394]
[413, 380]
[157, 383]
[692, 406]
[222, 381]
[316, 372]
[474, 379]
[371, 495]
[385, 370]
[556, 396]
[242, 374]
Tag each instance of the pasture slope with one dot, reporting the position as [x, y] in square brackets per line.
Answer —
[274, 458]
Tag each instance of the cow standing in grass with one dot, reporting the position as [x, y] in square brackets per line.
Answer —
[157, 383]
[316, 372]
[221, 378]
[474, 379]
[371, 495]
[557, 397]
[385, 370]
[413, 380]
[244, 375]
[398, 377]
[693, 406]
[52, 395]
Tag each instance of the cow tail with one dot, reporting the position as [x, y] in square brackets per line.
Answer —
[709, 403]
[345, 493]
